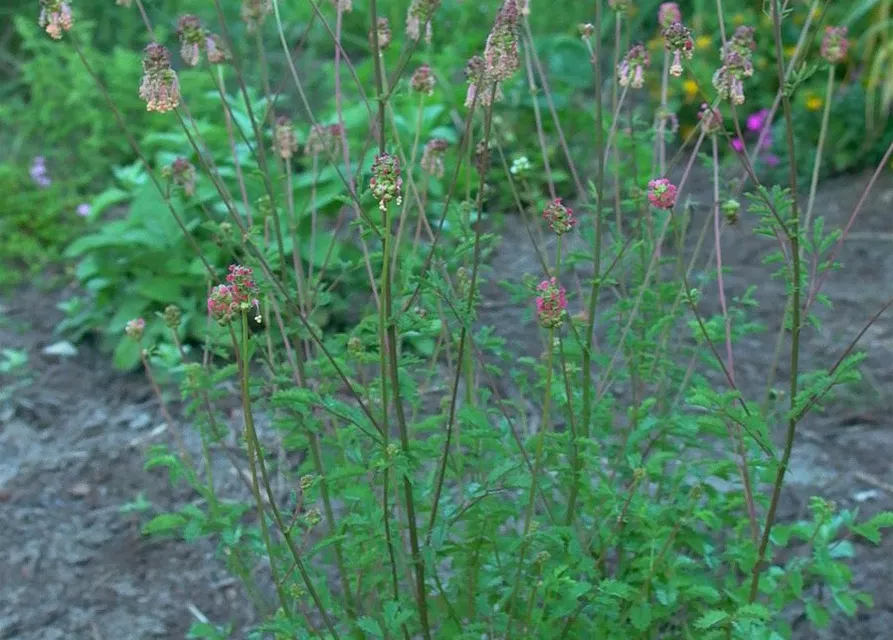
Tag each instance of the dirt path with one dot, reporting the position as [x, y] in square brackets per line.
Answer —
[74, 566]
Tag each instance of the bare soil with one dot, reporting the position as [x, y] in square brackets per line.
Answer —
[72, 443]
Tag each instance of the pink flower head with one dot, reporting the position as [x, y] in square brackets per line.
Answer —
[38, 173]
[711, 119]
[631, 70]
[181, 173]
[678, 40]
[551, 304]
[386, 183]
[756, 120]
[432, 157]
[737, 64]
[835, 44]
[384, 34]
[285, 142]
[420, 13]
[668, 13]
[192, 39]
[254, 12]
[160, 87]
[55, 17]
[323, 139]
[422, 81]
[134, 329]
[738, 145]
[501, 51]
[620, 6]
[662, 193]
[238, 295]
[475, 76]
[560, 218]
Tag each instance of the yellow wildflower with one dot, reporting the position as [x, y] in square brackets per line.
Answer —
[738, 19]
[703, 42]
[814, 103]
[790, 50]
[690, 87]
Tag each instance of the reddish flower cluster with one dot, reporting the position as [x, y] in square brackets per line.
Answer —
[254, 12]
[237, 295]
[631, 70]
[551, 304]
[55, 17]
[711, 119]
[737, 64]
[384, 34]
[386, 183]
[323, 139]
[432, 157]
[182, 173]
[668, 13]
[159, 87]
[835, 44]
[420, 13]
[662, 193]
[560, 218]
[285, 142]
[195, 39]
[134, 329]
[620, 6]
[475, 76]
[501, 51]
[678, 40]
[422, 81]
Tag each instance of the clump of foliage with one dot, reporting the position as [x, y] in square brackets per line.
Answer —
[37, 221]
[409, 473]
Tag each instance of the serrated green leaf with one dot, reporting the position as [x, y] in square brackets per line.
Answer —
[640, 616]
[370, 626]
[711, 619]
[817, 614]
[164, 523]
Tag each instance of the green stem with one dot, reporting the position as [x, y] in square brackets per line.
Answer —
[256, 461]
[253, 452]
[817, 165]
[391, 343]
[537, 465]
[793, 233]
[586, 374]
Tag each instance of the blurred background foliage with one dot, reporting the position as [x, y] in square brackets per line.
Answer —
[100, 214]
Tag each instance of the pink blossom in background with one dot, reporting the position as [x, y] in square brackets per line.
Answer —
[39, 173]
[662, 193]
[757, 120]
[134, 329]
[228, 300]
[738, 145]
[551, 304]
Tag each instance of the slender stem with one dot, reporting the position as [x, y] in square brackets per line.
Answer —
[463, 333]
[252, 463]
[717, 225]
[256, 457]
[793, 232]
[586, 373]
[537, 466]
[393, 365]
[228, 121]
[817, 165]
